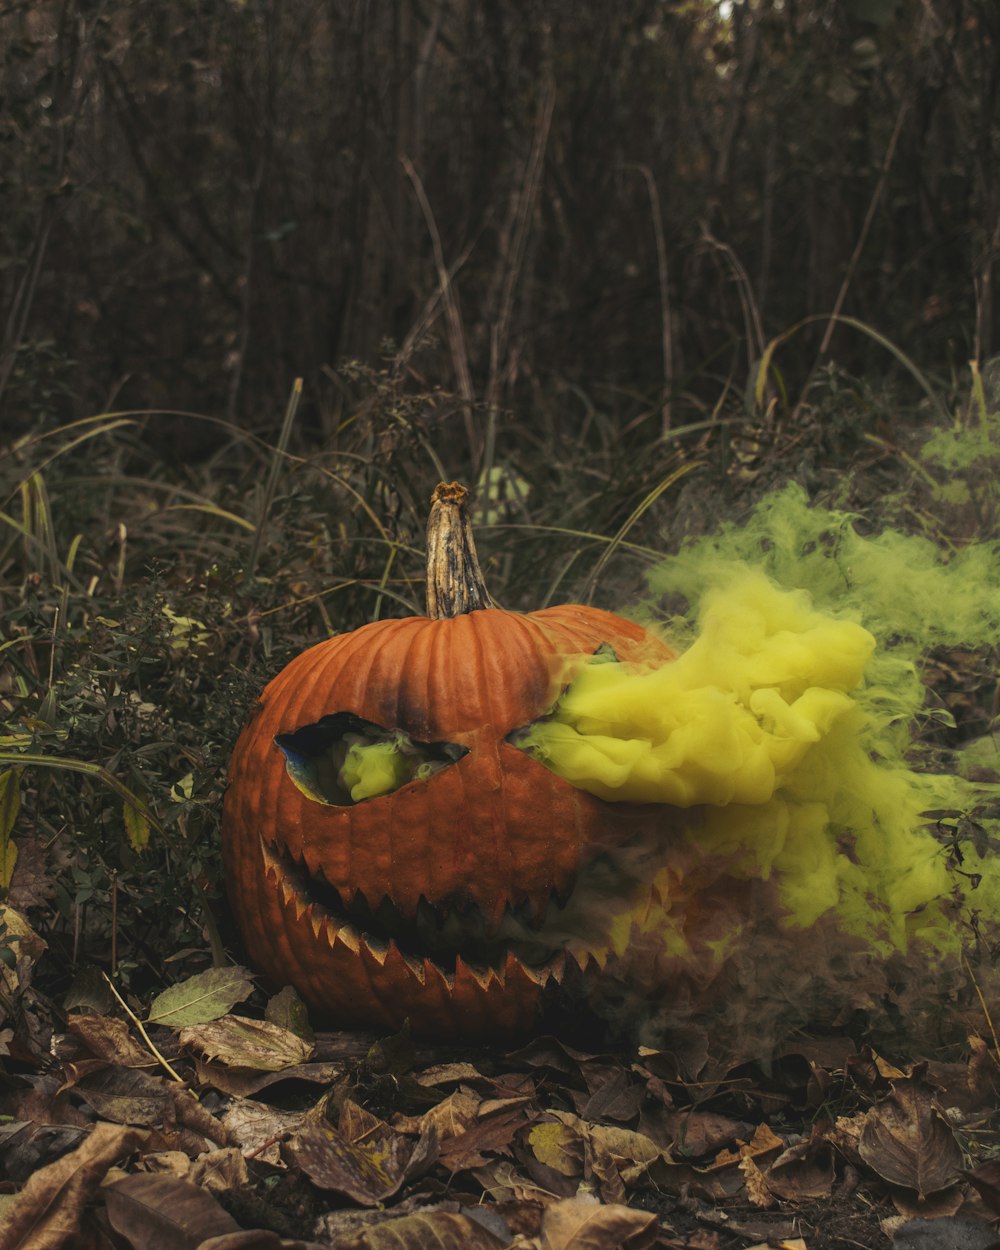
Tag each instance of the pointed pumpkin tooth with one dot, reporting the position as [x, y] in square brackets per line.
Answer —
[580, 955]
[600, 956]
[433, 973]
[375, 947]
[557, 966]
[482, 976]
[317, 917]
[345, 933]
[540, 976]
[416, 966]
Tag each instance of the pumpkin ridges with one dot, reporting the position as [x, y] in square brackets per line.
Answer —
[494, 827]
[497, 854]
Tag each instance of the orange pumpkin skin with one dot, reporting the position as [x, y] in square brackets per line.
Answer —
[491, 831]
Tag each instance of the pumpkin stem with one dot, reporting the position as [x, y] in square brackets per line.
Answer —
[454, 579]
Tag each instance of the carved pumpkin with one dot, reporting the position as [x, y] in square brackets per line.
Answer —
[393, 906]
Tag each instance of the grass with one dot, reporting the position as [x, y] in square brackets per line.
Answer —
[147, 598]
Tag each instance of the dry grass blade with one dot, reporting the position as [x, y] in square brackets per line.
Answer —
[637, 512]
[277, 457]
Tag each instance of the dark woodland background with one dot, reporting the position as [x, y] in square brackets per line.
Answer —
[541, 206]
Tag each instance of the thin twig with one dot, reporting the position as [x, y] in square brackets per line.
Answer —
[456, 331]
[161, 1059]
[667, 340]
[852, 264]
[986, 1010]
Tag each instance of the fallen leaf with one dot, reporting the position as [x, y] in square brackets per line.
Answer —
[245, 1043]
[431, 1230]
[201, 998]
[47, 1211]
[110, 1040]
[558, 1146]
[220, 1169]
[244, 1082]
[616, 1097]
[367, 1167]
[631, 1152]
[162, 1212]
[451, 1117]
[288, 1011]
[126, 1096]
[908, 1142]
[756, 1186]
[448, 1074]
[586, 1224]
[986, 1182]
[490, 1134]
[258, 1129]
[804, 1172]
[697, 1133]
[932, 1207]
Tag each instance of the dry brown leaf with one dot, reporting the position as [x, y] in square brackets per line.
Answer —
[614, 1094]
[161, 1212]
[245, 1082]
[845, 1136]
[986, 1182]
[599, 1166]
[698, 1133]
[257, 1128]
[170, 1162]
[451, 1117]
[723, 1179]
[431, 1230]
[764, 1142]
[367, 1168]
[586, 1224]
[448, 1074]
[192, 1114]
[127, 1096]
[47, 1211]
[250, 1239]
[908, 1142]
[933, 1207]
[490, 1134]
[110, 1040]
[804, 1172]
[756, 1186]
[631, 1152]
[245, 1043]
[218, 1170]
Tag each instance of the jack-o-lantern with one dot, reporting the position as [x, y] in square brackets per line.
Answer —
[383, 834]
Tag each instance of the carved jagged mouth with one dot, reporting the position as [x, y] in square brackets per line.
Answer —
[443, 936]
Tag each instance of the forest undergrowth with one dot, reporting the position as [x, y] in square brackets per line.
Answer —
[145, 601]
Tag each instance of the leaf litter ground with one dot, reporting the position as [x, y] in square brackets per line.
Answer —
[217, 1131]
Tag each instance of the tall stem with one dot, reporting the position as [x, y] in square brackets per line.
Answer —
[454, 579]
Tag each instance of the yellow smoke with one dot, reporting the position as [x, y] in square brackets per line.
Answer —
[373, 768]
[760, 727]
[730, 721]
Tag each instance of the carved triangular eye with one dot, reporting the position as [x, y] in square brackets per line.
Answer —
[342, 759]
